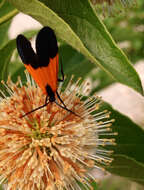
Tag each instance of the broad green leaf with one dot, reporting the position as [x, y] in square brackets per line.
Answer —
[77, 24]
[7, 11]
[1, 187]
[100, 80]
[73, 62]
[128, 153]
[4, 33]
[5, 56]
[127, 167]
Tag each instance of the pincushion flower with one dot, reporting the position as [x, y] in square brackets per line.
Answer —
[51, 148]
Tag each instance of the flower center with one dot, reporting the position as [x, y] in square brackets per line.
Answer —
[36, 132]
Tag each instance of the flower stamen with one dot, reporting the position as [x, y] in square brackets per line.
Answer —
[51, 148]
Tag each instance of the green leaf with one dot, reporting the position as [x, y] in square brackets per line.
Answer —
[74, 62]
[128, 153]
[83, 186]
[100, 80]
[5, 56]
[4, 33]
[77, 24]
[7, 11]
[128, 168]
[1, 187]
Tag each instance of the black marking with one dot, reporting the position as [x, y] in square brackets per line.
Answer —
[46, 44]
[50, 93]
[25, 50]
[35, 109]
[46, 48]
[51, 98]
[65, 108]
[60, 99]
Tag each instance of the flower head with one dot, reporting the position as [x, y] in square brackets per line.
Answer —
[50, 148]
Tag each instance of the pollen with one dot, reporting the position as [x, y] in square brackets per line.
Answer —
[51, 148]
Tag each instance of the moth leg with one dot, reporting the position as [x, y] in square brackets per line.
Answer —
[62, 72]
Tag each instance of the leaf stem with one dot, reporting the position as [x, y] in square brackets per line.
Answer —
[8, 16]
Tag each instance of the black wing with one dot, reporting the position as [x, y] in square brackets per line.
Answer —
[46, 45]
[25, 51]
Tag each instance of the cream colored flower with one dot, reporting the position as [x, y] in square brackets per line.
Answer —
[51, 149]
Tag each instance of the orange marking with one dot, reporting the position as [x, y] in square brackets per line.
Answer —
[46, 75]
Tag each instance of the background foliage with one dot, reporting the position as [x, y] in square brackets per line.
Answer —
[88, 50]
